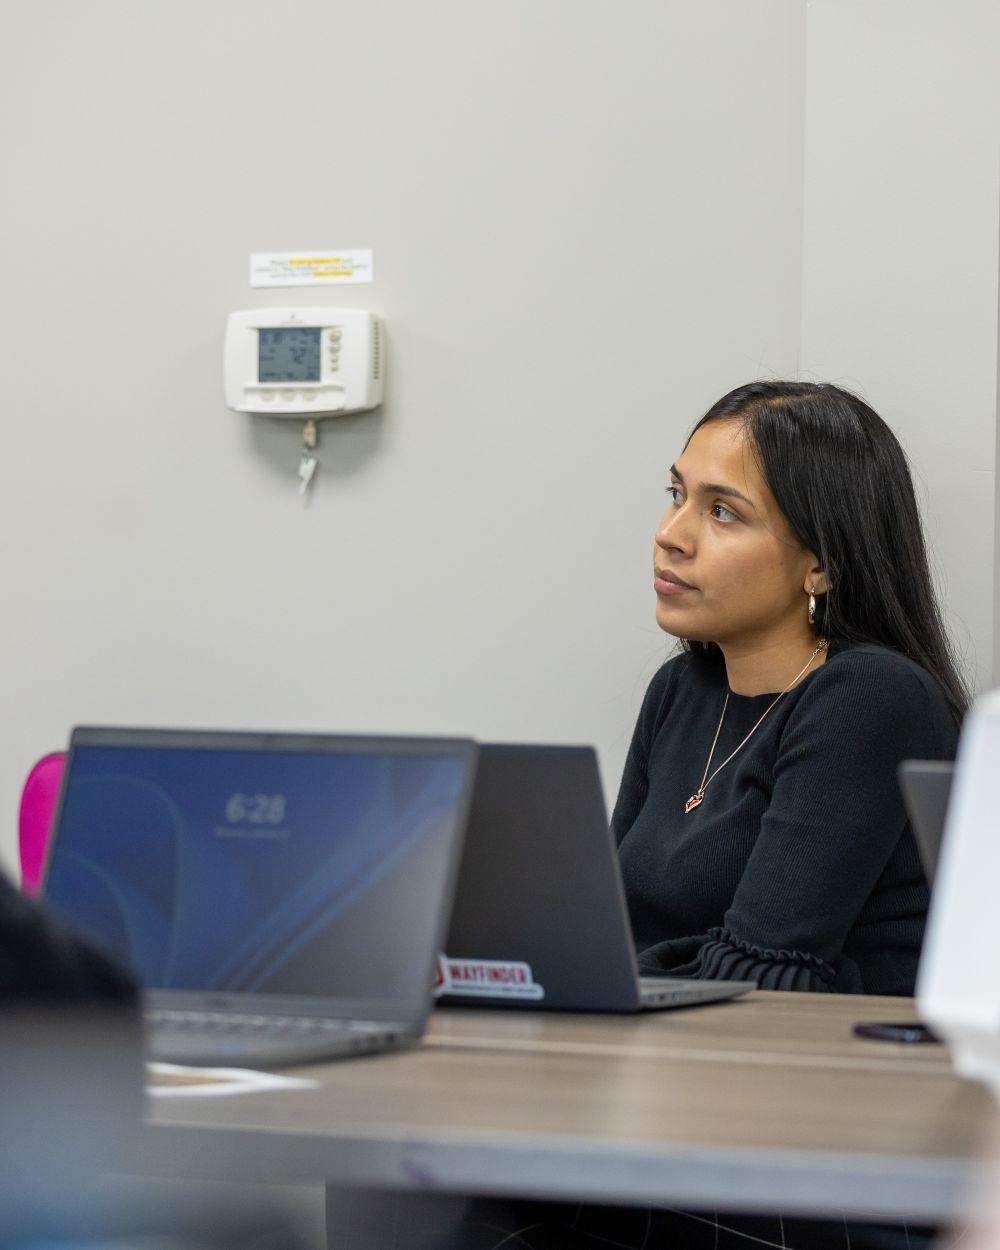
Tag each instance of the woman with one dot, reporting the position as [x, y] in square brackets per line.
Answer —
[760, 826]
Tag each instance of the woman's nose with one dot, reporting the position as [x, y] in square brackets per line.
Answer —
[675, 531]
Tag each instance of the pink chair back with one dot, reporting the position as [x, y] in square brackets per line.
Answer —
[38, 804]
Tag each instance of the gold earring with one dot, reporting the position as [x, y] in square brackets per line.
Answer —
[812, 608]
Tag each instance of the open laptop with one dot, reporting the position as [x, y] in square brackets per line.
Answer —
[926, 789]
[926, 786]
[539, 918]
[280, 897]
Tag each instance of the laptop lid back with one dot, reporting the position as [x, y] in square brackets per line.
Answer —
[273, 873]
[539, 918]
[926, 786]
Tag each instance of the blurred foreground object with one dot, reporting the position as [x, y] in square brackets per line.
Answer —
[957, 993]
[71, 1088]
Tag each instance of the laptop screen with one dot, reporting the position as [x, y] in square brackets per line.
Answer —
[267, 871]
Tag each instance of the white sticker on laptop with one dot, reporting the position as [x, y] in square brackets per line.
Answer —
[486, 978]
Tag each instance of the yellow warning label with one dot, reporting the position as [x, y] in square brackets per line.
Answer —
[311, 268]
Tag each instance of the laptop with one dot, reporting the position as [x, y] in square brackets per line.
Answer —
[926, 786]
[280, 897]
[539, 918]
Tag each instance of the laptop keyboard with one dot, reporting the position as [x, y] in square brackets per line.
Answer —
[230, 1023]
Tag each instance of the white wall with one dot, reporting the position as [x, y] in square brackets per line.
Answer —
[900, 259]
[587, 226]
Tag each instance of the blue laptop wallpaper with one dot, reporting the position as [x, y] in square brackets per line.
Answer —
[257, 871]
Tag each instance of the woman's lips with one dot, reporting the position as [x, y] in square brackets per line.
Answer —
[666, 584]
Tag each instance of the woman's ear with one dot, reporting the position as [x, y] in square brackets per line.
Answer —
[817, 582]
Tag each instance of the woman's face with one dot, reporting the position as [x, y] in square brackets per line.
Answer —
[727, 568]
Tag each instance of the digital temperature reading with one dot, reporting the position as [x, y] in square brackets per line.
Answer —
[289, 354]
[306, 362]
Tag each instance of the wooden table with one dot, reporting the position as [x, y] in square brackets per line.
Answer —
[763, 1103]
[799, 1030]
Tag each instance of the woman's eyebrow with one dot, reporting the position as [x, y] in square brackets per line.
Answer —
[715, 488]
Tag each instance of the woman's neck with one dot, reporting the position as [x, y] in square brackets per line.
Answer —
[765, 666]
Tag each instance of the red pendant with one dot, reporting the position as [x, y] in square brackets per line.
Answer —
[693, 801]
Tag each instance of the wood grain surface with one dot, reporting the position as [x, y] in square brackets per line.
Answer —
[769, 1101]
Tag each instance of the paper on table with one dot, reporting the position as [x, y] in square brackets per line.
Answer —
[172, 1080]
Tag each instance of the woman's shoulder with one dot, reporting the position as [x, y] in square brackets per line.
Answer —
[868, 661]
[880, 679]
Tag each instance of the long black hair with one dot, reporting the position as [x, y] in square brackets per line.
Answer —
[842, 480]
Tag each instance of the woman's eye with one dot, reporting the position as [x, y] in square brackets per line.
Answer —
[722, 513]
[675, 494]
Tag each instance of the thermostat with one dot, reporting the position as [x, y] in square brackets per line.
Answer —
[303, 362]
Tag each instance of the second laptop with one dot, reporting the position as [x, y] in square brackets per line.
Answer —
[539, 918]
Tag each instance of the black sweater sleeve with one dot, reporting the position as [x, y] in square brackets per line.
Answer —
[833, 821]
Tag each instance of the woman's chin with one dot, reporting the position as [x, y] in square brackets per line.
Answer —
[671, 621]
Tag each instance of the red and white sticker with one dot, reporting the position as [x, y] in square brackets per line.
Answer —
[486, 978]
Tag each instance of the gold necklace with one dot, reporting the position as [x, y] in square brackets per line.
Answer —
[706, 781]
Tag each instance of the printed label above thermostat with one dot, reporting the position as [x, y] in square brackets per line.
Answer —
[353, 264]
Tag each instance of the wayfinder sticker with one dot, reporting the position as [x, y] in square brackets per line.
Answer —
[486, 978]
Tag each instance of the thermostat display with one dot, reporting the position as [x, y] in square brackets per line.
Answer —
[312, 362]
[289, 355]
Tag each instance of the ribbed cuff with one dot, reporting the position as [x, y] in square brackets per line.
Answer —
[722, 956]
[726, 957]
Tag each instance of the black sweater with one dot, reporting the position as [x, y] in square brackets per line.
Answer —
[799, 870]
